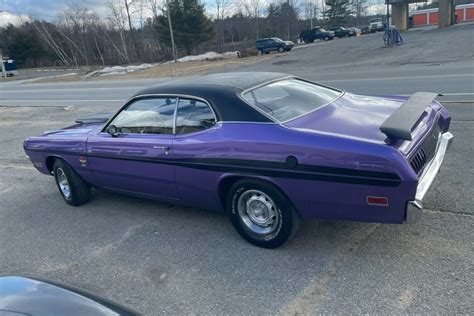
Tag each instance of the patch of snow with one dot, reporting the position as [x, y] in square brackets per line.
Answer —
[117, 70]
[235, 54]
[209, 56]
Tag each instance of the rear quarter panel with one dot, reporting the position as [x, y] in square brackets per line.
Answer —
[274, 143]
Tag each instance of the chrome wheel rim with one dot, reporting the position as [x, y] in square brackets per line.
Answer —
[258, 212]
[63, 183]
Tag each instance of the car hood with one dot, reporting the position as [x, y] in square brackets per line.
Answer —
[351, 116]
[76, 130]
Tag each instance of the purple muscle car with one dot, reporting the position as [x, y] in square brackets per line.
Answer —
[268, 148]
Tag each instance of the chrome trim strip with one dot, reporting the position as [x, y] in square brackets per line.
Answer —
[430, 172]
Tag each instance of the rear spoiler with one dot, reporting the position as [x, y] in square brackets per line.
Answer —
[94, 118]
[401, 122]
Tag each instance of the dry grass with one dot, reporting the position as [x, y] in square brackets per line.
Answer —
[174, 70]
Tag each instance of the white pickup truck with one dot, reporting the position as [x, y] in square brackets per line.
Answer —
[376, 25]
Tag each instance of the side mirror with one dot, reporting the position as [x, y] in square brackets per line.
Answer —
[112, 130]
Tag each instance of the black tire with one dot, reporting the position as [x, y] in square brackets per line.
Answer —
[281, 49]
[286, 219]
[326, 38]
[79, 190]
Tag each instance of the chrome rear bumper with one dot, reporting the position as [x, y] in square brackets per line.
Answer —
[415, 208]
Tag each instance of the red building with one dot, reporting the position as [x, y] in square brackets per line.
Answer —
[464, 12]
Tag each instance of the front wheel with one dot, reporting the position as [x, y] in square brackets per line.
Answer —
[261, 214]
[73, 189]
[326, 38]
[281, 49]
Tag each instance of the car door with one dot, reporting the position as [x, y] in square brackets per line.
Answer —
[267, 46]
[196, 143]
[137, 158]
[273, 45]
[317, 34]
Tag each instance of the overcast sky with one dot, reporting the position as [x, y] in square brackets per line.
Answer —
[15, 11]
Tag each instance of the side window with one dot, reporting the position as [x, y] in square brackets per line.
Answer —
[147, 116]
[193, 116]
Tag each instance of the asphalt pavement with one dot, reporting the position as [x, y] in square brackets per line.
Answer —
[165, 259]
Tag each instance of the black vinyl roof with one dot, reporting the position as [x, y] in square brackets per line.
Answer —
[222, 91]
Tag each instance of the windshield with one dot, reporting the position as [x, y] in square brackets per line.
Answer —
[276, 39]
[287, 99]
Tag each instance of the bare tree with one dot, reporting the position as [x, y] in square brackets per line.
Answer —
[253, 9]
[360, 8]
[57, 48]
[74, 25]
[311, 9]
[130, 10]
[222, 9]
[156, 7]
[118, 20]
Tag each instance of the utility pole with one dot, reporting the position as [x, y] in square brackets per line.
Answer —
[4, 72]
[312, 12]
[173, 46]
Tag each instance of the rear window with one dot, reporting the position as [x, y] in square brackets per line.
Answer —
[287, 99]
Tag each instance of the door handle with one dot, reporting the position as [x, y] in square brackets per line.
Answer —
[166, 149]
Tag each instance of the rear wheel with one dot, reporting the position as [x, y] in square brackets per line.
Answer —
[261, 214]
[73, 189]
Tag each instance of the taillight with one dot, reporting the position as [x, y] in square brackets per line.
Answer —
[377, 200]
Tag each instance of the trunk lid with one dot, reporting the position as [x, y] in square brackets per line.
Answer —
[360, 117]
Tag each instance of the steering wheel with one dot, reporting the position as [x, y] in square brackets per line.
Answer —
[160, 123]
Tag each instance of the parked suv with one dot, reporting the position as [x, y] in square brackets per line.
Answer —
[308, 36]
[342, 32]
[266, 45]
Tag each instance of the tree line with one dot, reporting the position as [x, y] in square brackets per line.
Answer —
[138, 30]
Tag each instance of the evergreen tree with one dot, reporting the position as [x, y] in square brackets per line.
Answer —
[338, 11]
[23, 46]
[190, 24]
